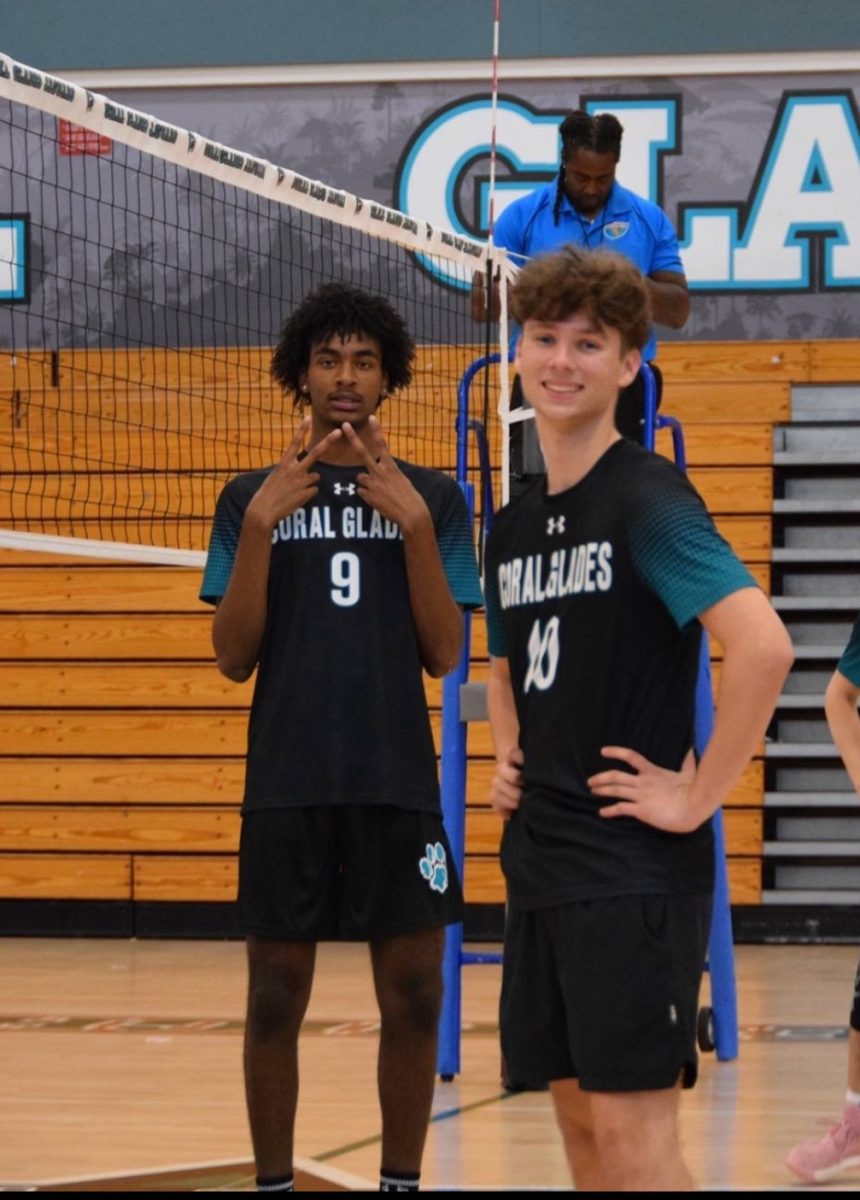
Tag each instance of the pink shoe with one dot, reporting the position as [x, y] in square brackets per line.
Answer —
[818, 1161]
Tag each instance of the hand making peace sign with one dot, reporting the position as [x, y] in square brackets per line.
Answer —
[291, 484]
[384, 486]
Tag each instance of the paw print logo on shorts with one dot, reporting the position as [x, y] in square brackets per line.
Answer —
[434, 867]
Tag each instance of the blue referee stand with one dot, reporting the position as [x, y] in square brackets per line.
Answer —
[455, 717]
[718, 1023]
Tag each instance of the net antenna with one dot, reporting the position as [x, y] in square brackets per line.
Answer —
[156, 268]
[498, 269]
[494, 117]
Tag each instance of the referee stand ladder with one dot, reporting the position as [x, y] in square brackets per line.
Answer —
[717, 1026]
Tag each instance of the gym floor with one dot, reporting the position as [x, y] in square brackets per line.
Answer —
[122, 1071]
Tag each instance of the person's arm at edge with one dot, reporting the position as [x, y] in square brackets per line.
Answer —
[670, 298]
[840, 708]
[505, 729]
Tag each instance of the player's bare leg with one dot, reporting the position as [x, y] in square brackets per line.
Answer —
[407, 972]
[636, 1135]
[575, 1121]
[280, 975]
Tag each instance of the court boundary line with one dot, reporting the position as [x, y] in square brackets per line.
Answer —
[142, 1173]
[310, 1166]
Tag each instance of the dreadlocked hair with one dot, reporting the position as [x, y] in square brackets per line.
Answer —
[337, 310]
[582, 131]
[559, 195]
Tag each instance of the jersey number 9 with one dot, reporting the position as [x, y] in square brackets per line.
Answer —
[345, 579]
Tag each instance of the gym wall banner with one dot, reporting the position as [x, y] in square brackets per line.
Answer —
[760, 174]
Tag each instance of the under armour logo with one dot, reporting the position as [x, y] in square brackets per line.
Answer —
[555, 525]
[543, 655]
[349, 488]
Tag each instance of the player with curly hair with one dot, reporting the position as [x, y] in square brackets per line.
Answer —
[339, 575]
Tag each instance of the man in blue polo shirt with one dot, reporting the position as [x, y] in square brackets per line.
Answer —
[586, 206]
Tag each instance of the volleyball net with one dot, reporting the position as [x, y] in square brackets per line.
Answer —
[145, 274]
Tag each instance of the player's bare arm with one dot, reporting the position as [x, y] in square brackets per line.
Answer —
[382, 485]
[757, 656]
[670, 298]
[240, 618]
[840, 708]
[506, 788]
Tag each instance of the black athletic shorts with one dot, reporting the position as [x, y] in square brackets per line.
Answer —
[345, 873]
[605, 991]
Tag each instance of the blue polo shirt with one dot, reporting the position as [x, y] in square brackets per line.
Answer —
[628, 224]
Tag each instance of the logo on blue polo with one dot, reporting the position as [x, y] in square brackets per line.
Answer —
[616, 230]
[434, 867]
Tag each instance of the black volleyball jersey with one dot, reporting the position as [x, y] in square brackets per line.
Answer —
[592, 595]
[339, 714]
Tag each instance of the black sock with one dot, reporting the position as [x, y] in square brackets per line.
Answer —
[279, 1183]
[398, 1181]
